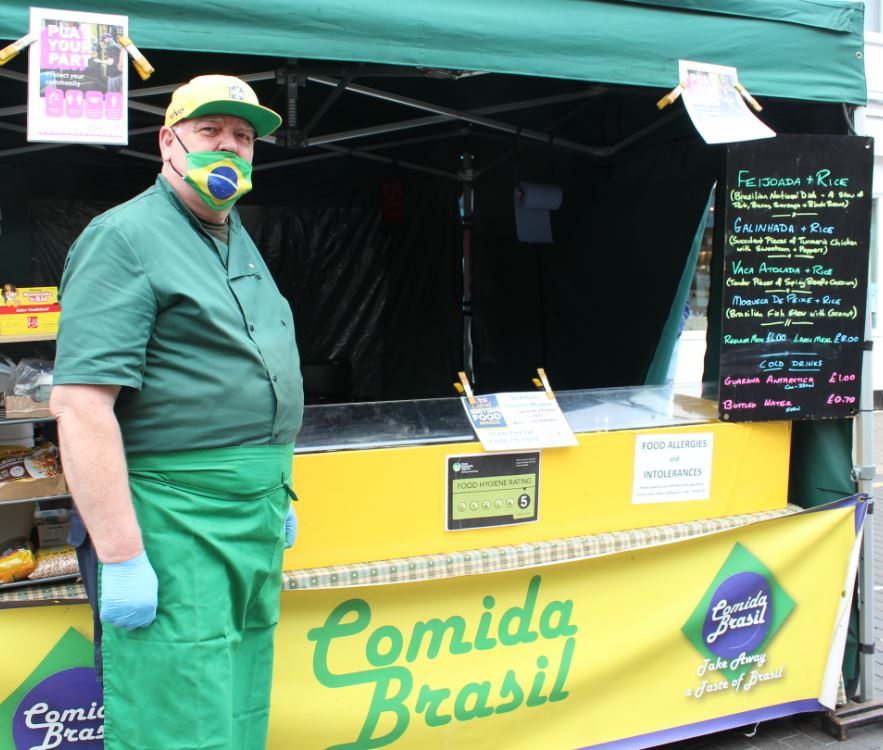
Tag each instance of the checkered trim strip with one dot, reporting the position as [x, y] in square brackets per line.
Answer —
[451, 564]
[513, 557]
[68, 592]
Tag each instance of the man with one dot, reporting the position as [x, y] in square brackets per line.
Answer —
[178, 396]
[113, 60]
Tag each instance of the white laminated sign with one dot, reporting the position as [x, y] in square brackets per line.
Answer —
[77, 78]
[672, 467]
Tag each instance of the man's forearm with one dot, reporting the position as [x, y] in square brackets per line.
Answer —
[95, 468]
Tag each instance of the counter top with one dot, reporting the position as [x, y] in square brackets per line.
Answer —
[387, 424]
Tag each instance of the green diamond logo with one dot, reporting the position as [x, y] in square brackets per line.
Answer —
[64, 680]
[740, 612]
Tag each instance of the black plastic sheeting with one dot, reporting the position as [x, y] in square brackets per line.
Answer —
[376, 284]
[378, 297]
[382, 297]
[589, 307]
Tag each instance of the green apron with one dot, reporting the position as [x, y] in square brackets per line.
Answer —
[199, 676]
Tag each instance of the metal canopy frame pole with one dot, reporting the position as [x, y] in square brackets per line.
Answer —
[438, 119]
[466, 223]
[601, 151]
[864, 474]
[14, 75]
[869, 708]
[454, 114]
[304, 132]
[441, 115]
[389, 160]
[865, 470]
[374, 147]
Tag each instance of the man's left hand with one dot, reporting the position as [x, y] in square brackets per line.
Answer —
[290, 527]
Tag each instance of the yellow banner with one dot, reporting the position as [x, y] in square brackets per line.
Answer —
[633, 650]
[656, 644]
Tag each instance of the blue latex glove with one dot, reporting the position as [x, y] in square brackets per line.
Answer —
[129, 593]
[290, 527]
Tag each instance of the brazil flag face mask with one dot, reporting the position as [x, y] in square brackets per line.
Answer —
[220, 178]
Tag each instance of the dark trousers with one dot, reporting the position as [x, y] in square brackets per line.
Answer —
[88, 561]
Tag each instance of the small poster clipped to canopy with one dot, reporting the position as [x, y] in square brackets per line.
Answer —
[78, 77]
[717, 103]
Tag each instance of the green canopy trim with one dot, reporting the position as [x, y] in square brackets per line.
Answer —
[834, 15]
[793, 49]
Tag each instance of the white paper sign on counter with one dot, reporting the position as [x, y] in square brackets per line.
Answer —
[518, 421]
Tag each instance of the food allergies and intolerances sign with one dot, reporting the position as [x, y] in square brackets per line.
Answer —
[672, 468]
[77, 78]
[518, 421]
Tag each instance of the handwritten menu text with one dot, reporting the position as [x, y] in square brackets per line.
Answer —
[796, 243]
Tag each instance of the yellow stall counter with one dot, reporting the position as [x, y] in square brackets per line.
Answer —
[364, 505]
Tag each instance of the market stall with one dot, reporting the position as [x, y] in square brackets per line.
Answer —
[414, 615]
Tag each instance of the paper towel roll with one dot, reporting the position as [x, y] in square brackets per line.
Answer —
[533, 201]
[538, 196]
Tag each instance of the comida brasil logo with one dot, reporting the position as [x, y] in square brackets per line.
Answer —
[389, 655]
[59, 705]
[63, 711]
[743, 608]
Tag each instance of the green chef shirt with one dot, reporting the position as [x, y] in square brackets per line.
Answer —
[194, 330]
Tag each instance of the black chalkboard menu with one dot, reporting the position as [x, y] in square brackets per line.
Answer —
[796, 241]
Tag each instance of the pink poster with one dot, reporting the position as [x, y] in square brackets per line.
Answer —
[77, 78]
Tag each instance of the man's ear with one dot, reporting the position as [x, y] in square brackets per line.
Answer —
[166, 142]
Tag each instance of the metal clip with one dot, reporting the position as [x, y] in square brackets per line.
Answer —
[864, 473]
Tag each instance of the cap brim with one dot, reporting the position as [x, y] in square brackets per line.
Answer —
[264, 120]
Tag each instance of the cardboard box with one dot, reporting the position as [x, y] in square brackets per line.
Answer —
[22, 407]
[52, 534]
[23, 489]
[16, 521]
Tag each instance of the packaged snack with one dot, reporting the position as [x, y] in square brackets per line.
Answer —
[30, 472]
[6, 368]
[17, 560]
[27, 392]
[31, 377]
[39, 462]
[55, 561]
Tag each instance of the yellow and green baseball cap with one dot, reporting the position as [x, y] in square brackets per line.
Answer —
[221, 95]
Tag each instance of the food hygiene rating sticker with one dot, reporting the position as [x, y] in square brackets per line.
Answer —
[492, 489]
[743, 608]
